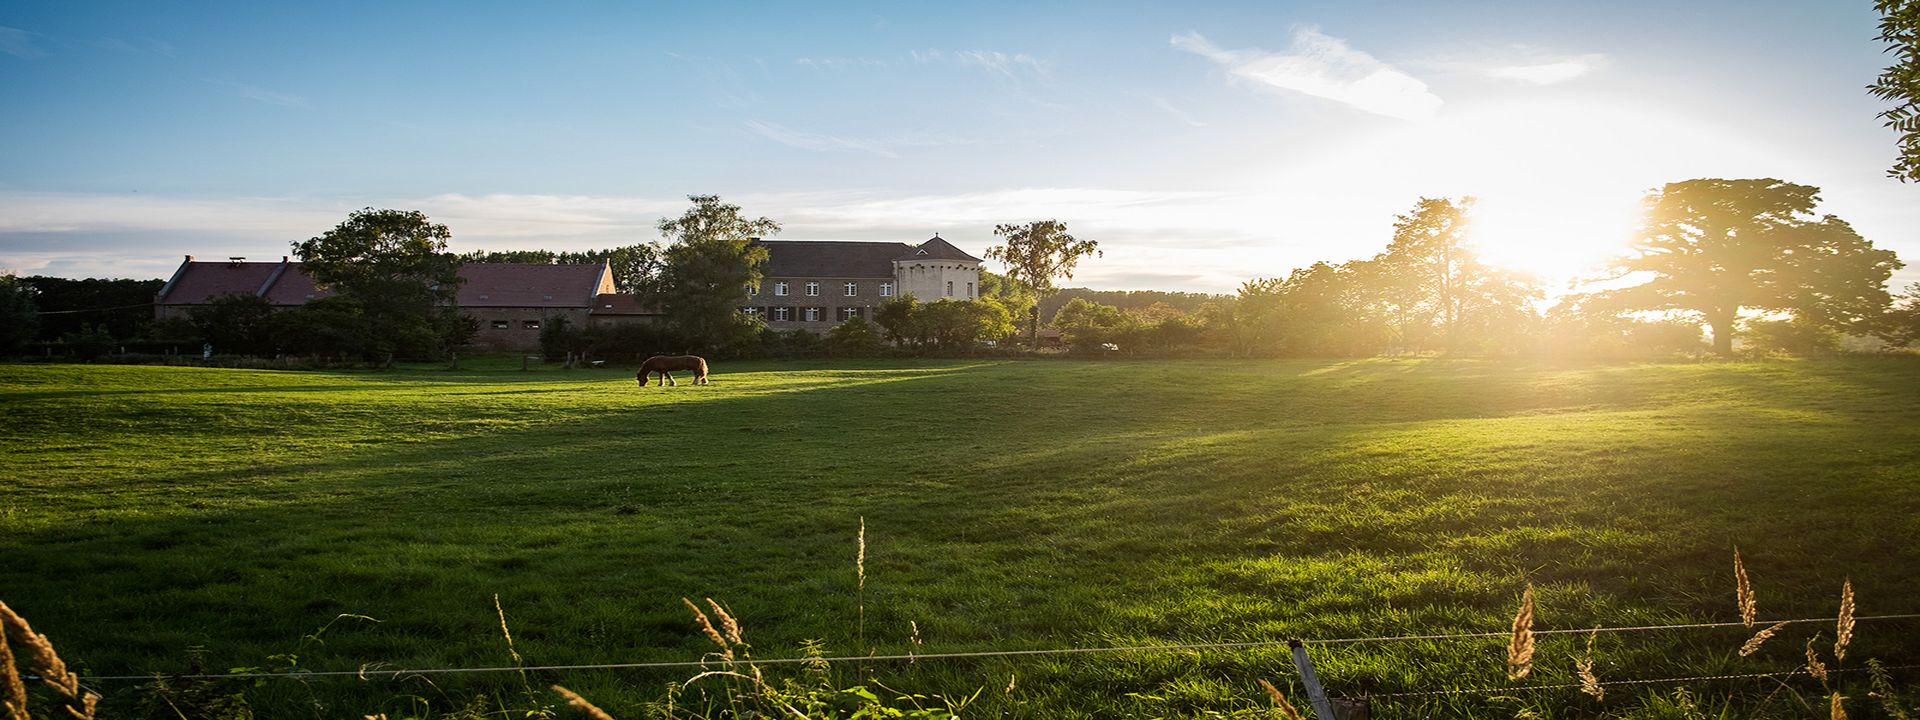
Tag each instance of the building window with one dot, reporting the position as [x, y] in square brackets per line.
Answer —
[781, 314]
[849, 313]
[949, 288]
[530, 324]
[853, 289]
[752, 312]
[811, 314]
[780, 289]
[753, 291]
[499, 324]
[886, 289]
[813, 289]
[969, 291]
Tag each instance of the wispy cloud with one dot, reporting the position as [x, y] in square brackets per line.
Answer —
[1000, 62]
[1326, 67]
[1524, 64]
[1174, 110]
[885, 146]
[838, 63]
[19, 43]
[258, 94]
[1548, 73]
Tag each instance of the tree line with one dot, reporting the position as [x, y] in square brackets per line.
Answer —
[1744, 259]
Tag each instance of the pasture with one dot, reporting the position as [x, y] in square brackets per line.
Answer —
[150, 511]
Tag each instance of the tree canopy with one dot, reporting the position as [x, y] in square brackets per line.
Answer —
[1038, 253]
[1714, 248]
[395, 265]
[1900, 82]
[710, 262]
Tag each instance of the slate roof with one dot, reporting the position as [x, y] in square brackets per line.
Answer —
[850, 259]
[831, 258]
[937, 249]
[487, 284]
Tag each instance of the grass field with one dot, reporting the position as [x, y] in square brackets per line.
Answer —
[1008, 505]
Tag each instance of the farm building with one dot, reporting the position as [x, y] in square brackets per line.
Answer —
[807, 284]
[814, 284]
[511, 301]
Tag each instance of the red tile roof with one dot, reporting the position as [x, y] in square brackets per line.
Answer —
[201, 282]
[525, 285]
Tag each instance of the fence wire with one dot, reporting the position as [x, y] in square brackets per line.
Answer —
[370, 672]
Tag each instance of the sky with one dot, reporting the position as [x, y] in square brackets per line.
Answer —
[1201, 144]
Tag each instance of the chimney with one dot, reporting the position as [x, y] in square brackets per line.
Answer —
[189, 258]
[235, 261]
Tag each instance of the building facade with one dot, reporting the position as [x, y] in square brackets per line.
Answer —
[510, 301]
[816, 284]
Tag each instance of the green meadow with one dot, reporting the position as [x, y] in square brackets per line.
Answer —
[155, 517]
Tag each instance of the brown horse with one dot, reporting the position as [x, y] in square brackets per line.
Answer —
[666, 364]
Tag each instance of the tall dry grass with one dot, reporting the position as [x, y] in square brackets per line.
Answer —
[78, 702]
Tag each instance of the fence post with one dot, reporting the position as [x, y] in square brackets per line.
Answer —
[1315, 694]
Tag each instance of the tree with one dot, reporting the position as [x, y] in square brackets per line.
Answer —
[1900, 82]
[1036, 254]
[853, 337]
[19, 317]
[898, 317]
[711, 260]
[396, 265]
[237, 324]
[66, 304]
[1087, 326]
[1901, 326]
[1715, 248]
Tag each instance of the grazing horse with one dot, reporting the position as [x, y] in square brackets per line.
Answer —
[666, 364]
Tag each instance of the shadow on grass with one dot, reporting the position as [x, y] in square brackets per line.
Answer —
[1007, 504]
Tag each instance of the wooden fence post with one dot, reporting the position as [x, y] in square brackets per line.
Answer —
[1315, 694]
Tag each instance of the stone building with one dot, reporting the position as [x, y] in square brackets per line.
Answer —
[815, 284]
[510, 301]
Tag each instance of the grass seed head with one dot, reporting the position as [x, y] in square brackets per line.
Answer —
[1838, 709]
[1760, 638]
[1843, 630]
[1280, 701]
[46, 663]
[706, 628]
[727, 623]
[1814, 667]
[1589, 682]
[1520, 646]
[581, 703]
[504, 632]
[15, 700]
[1743, 590]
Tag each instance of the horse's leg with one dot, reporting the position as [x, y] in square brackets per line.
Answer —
[670, 380]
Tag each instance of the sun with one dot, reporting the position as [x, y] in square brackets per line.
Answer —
[1555, 239]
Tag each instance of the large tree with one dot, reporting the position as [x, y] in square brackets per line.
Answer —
[1038, 253]
[711, 260]
[1900, 82]
[396, 265]
[1431, 283]
[1717, 248]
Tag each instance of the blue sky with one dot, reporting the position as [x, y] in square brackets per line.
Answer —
[1202, 144]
